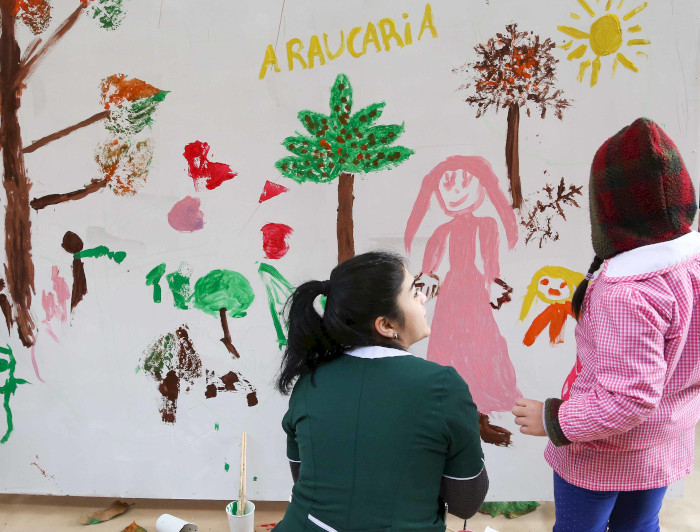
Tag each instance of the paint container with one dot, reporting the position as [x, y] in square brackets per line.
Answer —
[241, 523]
[170, 523]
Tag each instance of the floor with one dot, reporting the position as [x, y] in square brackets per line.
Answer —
[57, 514]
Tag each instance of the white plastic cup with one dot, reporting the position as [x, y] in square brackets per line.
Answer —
[170, 523]
[241, 523]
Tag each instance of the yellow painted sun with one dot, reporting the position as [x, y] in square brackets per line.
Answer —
[606, 36]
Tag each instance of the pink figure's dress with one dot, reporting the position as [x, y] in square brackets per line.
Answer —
[464, 332]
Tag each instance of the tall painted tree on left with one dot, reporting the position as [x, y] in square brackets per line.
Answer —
[123, 159]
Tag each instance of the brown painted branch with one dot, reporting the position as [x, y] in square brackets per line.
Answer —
[30, 50]
[26, 68]
[55, 199]
[6, 311]
[102, 115]
[226, 340]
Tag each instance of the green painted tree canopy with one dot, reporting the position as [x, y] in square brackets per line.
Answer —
[341, 141]
[223, 289]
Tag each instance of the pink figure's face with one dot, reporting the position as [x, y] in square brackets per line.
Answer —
[553, 289]
[460, 191]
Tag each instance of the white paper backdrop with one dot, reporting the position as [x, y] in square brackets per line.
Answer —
[93, 427]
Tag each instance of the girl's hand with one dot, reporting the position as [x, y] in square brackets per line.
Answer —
[528, 414]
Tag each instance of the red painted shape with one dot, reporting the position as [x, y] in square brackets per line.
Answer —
[275, 240]
[271, 190]
[202, 170]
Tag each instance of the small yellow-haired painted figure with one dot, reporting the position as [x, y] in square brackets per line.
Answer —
[555, 286]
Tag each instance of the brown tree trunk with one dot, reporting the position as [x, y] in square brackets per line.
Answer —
[226, 340]
[512, 154]
[79, 284]
[346, 237]
[19, 268]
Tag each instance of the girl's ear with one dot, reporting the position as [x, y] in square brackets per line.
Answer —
[384, 327]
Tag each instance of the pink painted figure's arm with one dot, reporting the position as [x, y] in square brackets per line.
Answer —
[488, 242]
[435, 248]
[630, 368]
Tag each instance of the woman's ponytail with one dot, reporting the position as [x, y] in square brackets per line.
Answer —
[580, 293]
[359, 291]
[308, 342]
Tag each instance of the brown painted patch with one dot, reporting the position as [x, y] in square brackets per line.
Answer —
[252, 398]
[504, 297]
[170, 360]
[493, 433]
[169, 389]
[72, 243]
[231, 382]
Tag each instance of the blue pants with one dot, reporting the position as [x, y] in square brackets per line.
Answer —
[581, 510]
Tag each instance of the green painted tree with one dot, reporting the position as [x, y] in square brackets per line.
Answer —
[218, 293]
[222, 292]
[338, 146]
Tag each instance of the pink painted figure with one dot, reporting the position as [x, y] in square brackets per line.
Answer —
[464, 332]
[55, 303]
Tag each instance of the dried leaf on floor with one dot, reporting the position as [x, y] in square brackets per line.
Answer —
[133, 527]
[116, 508]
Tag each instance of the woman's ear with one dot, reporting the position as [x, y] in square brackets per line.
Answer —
[384, 327]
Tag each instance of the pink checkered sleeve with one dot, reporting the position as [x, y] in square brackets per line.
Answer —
[630, 367]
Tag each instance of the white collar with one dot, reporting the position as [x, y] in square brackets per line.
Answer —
[654, 257]
[376, 351]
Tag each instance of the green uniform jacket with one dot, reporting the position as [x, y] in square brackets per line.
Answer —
[375, 431]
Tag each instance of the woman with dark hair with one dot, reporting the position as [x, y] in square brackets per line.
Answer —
[377, 438]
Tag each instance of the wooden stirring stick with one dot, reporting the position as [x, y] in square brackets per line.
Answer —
[241, 492]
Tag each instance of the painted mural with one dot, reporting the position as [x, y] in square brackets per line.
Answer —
[249, 147]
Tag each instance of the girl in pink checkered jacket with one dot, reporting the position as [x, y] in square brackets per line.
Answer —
[624, 428]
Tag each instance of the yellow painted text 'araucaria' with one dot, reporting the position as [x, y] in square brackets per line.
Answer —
[381, 35]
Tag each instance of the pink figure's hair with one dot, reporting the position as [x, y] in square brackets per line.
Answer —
[478, 167]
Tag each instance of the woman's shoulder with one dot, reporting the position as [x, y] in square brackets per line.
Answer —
[433, 372]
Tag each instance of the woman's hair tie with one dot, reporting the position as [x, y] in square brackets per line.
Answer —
[589, 276]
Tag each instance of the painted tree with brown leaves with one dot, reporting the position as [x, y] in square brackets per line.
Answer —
[515, 69]
[123, 159]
